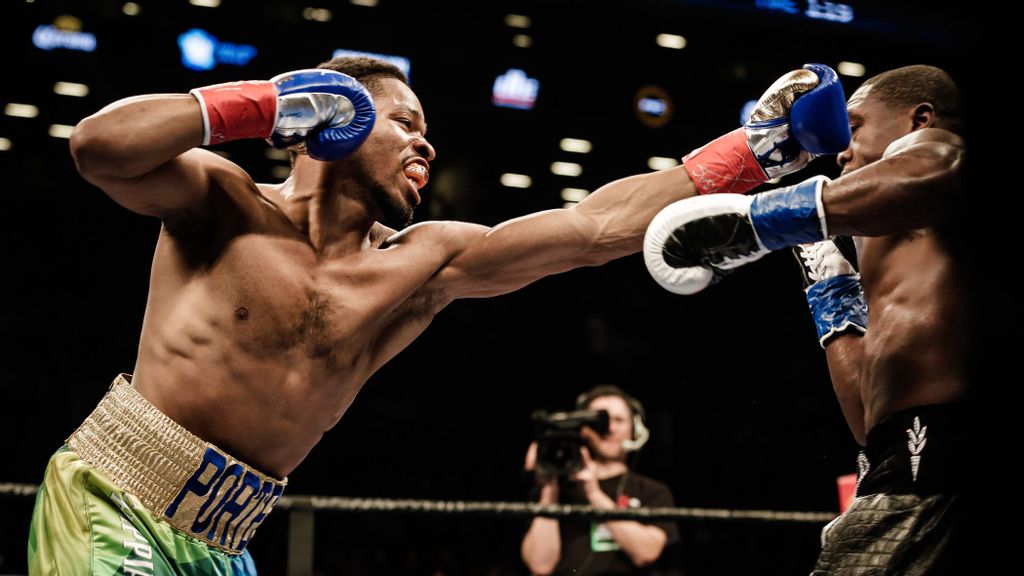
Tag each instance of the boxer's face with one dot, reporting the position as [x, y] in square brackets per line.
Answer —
[393, 165]
[874, 125]
[620, 428]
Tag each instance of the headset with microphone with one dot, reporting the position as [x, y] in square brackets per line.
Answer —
[640, 432]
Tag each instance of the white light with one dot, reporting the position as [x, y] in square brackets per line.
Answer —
[317, 14]
[574, 194]
[71, 89]
[568, 205]
[522, 41]
[517, 21]
[661, 163]
[566, 168]
[851, 69]
[671, 41]
[205, 3]
[281, 172]
[131, 8]
[516, 180]
[575, 145]
[370, 3]
[21, 110]
[277, 154]
[5, 144]
[61, 130]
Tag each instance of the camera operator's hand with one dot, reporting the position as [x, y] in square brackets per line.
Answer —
[587, 477]
[548, 484]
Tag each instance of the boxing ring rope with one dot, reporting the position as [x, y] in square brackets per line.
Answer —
[301, 509]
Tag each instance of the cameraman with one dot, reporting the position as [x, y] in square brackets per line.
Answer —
[579, 546]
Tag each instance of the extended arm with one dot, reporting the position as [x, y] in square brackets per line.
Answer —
[611, 222]
[915, 184]
[608, 224]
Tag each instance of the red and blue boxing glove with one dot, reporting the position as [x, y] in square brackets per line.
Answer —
[801, 116]
[330, 112]
[693, 243]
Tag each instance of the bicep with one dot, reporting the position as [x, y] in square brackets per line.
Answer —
[487, 262]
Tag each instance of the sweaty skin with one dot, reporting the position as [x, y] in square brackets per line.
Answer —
[900, 182]
[271, 306]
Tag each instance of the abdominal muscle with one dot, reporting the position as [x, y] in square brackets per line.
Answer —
[913, 351]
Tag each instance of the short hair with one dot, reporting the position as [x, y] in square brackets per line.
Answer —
[369, 71]
[912, 85]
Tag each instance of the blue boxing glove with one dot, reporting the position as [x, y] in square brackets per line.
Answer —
[329, 112]
[692, 242]
[834, 292]
[800, 117]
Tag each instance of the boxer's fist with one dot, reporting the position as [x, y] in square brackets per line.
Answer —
[691, 243]
[329, 111]
[801, 116]
[834, 292]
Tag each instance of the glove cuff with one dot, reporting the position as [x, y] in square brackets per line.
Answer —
[725, 164]
[237, 110]
[837, 305]
[791, 215]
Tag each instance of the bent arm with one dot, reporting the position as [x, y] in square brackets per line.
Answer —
[137, 150]
[542, 546]
[641, 542]
[916, 184]
[844, 354]
[608, 224]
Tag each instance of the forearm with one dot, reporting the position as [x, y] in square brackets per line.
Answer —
[845, 359]
[642, 543]
[915, 188]
[608, 224]
[542, 545]
[619, 212]
[134, 136]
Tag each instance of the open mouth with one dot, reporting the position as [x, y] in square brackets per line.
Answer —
[417, 173]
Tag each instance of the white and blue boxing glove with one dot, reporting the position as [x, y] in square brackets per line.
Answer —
[834, 292]
[330, 112]
[691, 243]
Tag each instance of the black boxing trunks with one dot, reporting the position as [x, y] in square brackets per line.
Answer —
[903, 519]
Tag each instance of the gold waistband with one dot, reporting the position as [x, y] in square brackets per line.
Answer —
[193, 485]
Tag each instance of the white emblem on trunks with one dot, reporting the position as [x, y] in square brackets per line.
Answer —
[916, 445]
[863, 467]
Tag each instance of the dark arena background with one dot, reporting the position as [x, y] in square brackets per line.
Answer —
[741, 411]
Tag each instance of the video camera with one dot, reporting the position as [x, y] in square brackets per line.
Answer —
[558, 439]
